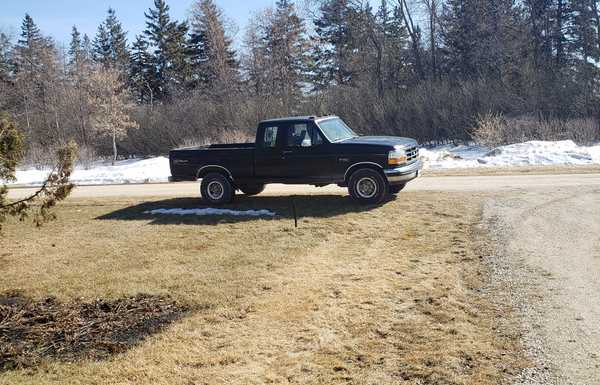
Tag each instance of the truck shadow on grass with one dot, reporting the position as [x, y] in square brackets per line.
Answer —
[308, 206]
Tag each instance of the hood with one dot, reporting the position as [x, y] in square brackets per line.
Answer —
[390, 141]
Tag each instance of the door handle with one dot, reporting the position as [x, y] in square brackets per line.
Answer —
[284, 153]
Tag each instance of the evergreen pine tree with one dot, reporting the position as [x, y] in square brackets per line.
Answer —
[585, 54]
[394, 40]
[461, 35]
[211, 54]
[118, 41]
[87, 49]
[101, 47]
[30, 33]
[285, 45]
[198, 58]
[141, 71]
[179, 70]
[481, 38]
[110, 44]
[37, 73]
[166, 38]
[584, 46]
[5, 64]
[30, 47]
[80, 68]
[75, 49]
[332, 45]
[545, 20]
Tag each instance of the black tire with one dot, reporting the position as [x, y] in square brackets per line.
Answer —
[395, 189]
[253, 189]
[368, 186]
[216, 189]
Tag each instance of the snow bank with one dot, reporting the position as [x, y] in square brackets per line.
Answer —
[534, 153]
[212, 211]
[151, 170]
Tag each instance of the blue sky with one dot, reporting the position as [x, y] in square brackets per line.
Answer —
[56, 17]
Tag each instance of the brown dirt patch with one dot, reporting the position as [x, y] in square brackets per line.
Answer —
[32, 331]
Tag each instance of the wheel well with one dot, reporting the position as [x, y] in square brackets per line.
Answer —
[361, 166]
[203, 171]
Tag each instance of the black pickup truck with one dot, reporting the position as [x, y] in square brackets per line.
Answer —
[301, 150]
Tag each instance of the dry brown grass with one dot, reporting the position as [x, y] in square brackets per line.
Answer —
[496, 129]
[380, 296]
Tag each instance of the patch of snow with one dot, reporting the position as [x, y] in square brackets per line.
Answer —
[151, 170]
[533, 153]
[212, 211]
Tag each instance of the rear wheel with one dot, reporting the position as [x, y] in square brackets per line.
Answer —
[254, 189]
[367, 186]
[216, 189]
[395, 189]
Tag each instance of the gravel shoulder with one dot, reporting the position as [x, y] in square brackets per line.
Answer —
[547, 266]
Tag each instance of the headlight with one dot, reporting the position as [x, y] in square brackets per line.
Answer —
[396, 157]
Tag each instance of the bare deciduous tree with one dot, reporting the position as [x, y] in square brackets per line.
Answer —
[112, 106]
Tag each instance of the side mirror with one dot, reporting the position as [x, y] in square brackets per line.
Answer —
[306, 143]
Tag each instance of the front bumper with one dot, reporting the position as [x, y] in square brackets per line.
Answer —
[404, 174]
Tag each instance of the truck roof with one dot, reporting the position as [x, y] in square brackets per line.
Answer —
[295, 119]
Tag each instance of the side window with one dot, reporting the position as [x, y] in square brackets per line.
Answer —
[316, 137]
[270, 137]
[302, 135]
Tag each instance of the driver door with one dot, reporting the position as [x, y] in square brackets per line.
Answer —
[305, 153]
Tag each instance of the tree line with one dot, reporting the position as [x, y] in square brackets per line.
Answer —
[436, 70]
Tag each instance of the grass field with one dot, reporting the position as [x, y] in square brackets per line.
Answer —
[385, 295]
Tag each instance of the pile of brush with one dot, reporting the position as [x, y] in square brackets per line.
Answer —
[32, 331]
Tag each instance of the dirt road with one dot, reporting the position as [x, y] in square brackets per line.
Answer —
[548, 267]
[437, 183]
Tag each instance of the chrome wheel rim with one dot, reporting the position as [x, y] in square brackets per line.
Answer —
[366, 187]
[215, 190]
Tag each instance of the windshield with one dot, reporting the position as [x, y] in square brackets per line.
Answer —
[336, 130]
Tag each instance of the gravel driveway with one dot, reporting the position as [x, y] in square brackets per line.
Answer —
[548, 267]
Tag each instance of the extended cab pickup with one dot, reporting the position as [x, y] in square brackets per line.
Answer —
[301, 150]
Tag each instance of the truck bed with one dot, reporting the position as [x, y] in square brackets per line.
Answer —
[238, 158]
[217, 146]
[229, 146]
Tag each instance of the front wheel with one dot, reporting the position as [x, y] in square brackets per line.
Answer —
[216, 189]
[367, 186]
[252, 189]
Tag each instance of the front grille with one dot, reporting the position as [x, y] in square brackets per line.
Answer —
[412, 154]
